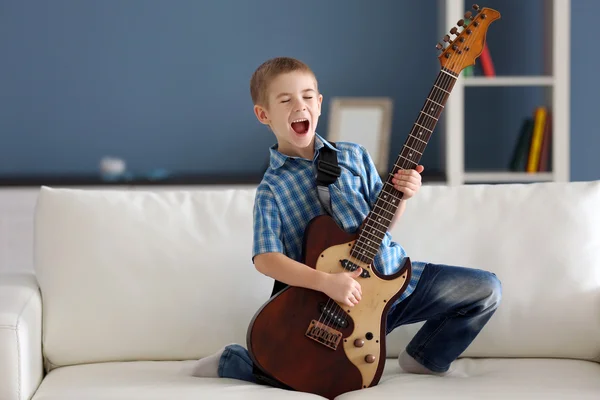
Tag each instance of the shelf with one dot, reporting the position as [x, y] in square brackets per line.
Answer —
[509, 81]
[508, 176]
[541, 75]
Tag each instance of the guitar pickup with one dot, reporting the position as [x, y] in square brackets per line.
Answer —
[350, 266]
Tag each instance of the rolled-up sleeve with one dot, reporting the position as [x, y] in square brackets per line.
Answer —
[267, 223]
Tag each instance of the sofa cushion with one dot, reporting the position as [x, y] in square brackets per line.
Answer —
[476, 379]
[148, 380]
[542, 240]
[491, 379]
[128, 275]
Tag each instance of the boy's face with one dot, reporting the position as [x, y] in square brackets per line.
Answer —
[292, 112]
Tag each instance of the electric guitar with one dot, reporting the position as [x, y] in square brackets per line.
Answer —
[308, 342]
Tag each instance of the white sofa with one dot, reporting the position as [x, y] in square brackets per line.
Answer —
[131, 287]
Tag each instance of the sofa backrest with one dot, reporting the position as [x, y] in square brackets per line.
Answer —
[167, 275]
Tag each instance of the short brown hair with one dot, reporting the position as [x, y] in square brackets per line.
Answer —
[269, 70]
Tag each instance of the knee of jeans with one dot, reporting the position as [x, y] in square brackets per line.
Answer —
[493, 287]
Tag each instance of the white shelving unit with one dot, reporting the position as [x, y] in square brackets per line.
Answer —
[557, 14]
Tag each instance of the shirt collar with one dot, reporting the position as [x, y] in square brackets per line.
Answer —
[278, 159]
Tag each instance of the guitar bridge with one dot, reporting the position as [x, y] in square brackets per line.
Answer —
[324, 334]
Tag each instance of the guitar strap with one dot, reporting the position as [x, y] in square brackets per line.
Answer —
[327, 173]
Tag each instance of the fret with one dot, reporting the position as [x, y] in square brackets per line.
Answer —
[437, 104]
[430, 116]
[375, 238]
[388, 220]
[422, 133]
[410, 148]
[378, 230]
[423, 127]
[384, 210]
[396, 193]
[441, 89]
[426, 122]
[409, 160]
[447, 85]
[418, 138]
[438, 95]
[376, 242]
[381, 220]
[415, 143]
[362, 249]
[394, 205]
[409, 153]
[392, 212]
[371, 220]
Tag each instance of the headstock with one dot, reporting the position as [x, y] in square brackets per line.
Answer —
[467, 45]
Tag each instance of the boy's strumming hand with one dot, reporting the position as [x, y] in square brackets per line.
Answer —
[408, 181]
[343, 287]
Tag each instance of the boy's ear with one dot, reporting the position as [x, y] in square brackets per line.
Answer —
[319, 103]
[261, 114]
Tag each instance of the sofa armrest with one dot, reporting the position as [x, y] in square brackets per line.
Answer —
[21, 363]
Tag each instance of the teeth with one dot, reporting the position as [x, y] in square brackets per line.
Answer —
[299, 120]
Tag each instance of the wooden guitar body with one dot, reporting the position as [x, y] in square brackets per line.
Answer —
[312, 344]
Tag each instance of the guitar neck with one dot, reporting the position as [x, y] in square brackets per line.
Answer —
[378, 221]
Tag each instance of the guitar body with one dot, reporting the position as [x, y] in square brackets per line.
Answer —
[348, 351]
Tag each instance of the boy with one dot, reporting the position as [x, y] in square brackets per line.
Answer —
[456, 302]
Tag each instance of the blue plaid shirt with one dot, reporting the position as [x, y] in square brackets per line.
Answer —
[286, 200]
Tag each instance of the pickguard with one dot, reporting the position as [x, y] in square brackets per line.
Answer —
[365, 341]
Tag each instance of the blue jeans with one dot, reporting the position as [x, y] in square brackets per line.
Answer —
[455, 302]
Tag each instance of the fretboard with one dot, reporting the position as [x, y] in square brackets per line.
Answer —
[378, 221]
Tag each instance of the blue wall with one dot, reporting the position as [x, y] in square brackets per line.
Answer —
[165, 83]
[585, 86]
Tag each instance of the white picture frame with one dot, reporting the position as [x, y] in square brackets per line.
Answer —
[366, 121]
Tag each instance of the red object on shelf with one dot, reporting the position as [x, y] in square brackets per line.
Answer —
[486, 62]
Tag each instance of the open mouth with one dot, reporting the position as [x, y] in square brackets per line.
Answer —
[300, 125]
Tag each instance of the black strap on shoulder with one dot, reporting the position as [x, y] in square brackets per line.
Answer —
[327, 166]
[328, 171]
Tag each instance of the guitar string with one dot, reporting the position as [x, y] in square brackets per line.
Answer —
[438, 97]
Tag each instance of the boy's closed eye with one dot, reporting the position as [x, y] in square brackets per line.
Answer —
[287, 100]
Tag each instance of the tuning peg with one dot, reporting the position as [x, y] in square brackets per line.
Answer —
[468, 15]
[446, 38]
[475, 7]
[439, 46]
[453, 30]
[460, 22]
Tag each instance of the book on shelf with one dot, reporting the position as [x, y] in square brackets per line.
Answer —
[532, 151]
